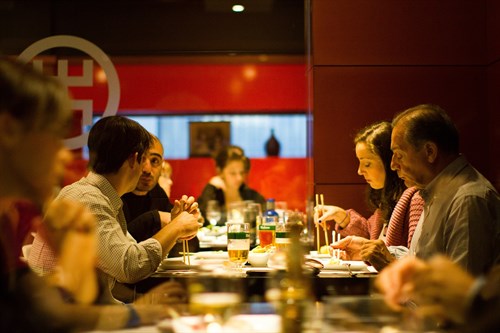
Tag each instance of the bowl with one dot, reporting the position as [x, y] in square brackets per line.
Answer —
[258, 259]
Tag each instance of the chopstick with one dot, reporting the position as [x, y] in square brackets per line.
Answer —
[185, 248]
[322, 198]
[317, 227]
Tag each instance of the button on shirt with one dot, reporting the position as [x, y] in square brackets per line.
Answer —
[119, 256]
[460, 218]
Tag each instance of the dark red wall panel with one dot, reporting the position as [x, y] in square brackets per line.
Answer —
[493, 30]
[398, 32]
[493, 156]
[348, 98]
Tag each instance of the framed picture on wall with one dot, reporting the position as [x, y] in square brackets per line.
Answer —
[207, 138]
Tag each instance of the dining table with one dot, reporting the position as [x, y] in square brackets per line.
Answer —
[343, 278]
[340, 297]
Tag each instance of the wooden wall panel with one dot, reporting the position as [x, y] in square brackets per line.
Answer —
[493, 33]
[494, 123]
[493, 30]
[394, 32]
[345, 196]
[348, 98]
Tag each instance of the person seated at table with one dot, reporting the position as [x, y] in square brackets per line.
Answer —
[232, 168]
[443, 290]
[217, 179]
[461, 217]
[35, 113]
[147, 208]
[386, 191]
[165, 180]
[117, 147]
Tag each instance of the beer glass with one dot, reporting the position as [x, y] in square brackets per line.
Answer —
[238, 243]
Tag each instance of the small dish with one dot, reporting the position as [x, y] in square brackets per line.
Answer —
[257, 259]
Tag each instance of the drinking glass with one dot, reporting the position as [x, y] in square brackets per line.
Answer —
[213, 212]
[282, 236]
[236, 211]
[238, 243]
[214, 298]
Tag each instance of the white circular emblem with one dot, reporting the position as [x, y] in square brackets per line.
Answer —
[86, 79]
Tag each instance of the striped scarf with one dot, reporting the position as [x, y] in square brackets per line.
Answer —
[404, 218]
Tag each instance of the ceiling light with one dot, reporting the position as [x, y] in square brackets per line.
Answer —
[238, 8]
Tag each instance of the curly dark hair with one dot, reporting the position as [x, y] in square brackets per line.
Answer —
[377, 138]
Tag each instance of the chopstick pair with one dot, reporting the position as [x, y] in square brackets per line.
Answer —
[185, 248]
[321, 203]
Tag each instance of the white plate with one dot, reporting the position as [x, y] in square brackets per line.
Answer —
[355, 266]
[316, 256]
[211, 255]
[261, 323]
[174, 263]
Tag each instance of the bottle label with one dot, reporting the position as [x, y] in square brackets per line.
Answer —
[267, 227]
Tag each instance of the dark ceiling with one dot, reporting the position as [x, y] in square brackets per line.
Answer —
[158, 27]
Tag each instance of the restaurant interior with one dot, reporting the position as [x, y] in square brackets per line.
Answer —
[338, 64]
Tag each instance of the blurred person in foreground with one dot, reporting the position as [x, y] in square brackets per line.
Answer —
[442, 290]
[35, 113]
[230, 187]
[461, 216]
[117, 147]
[396, 209]
[147, 208]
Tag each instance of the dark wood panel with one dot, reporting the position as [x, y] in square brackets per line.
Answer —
[349, 98]
[493, 30]
[345, 196]
[398, 32]
[494, 123]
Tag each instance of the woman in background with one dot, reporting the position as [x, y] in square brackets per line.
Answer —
[165, 180]
[229, 184]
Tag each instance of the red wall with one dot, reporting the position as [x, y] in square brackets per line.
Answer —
[372, 59]
[203, 88]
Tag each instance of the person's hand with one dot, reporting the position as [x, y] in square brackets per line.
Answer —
[63, 216]
[376, 253]
[352, 246]
[74, 239]
[169, 292]
[439, 288]
[323, 213]
[184, 204]
[185, 226]
[165, 218]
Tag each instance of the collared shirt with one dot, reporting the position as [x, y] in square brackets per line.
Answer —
[119, 256]
[461, 218]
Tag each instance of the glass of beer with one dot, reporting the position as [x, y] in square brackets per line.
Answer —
[282, 236]
[238, 243]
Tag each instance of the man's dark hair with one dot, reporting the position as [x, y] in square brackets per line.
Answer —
[428, 122]
[112, 140]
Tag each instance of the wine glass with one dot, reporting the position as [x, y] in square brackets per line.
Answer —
[238, 243]
[213, 212]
